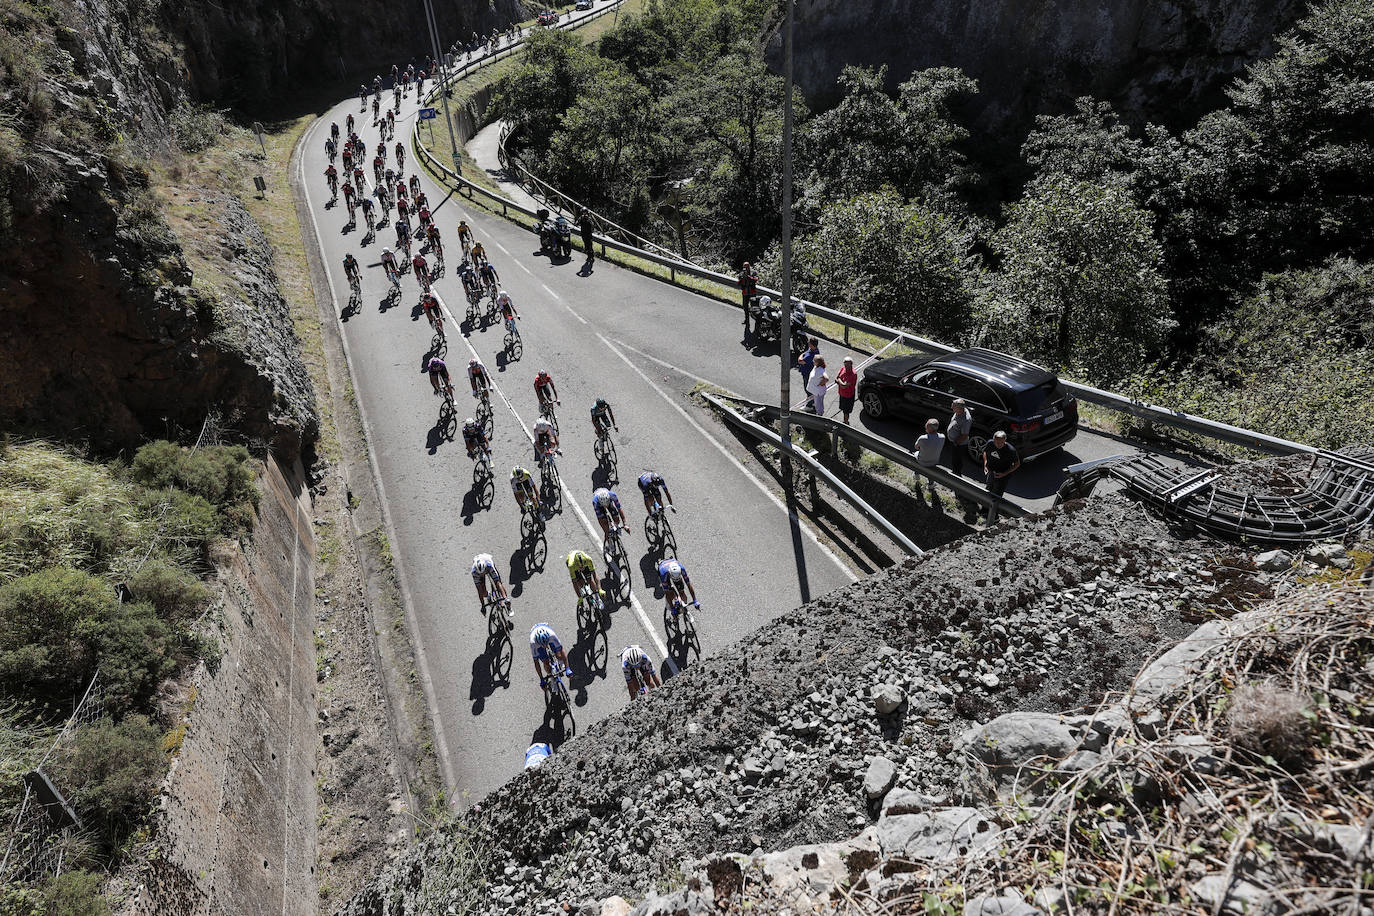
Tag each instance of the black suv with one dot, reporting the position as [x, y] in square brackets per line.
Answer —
[1003, 392]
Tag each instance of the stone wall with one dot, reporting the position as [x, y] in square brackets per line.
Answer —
[236, 827]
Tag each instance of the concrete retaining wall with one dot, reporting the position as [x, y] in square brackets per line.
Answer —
[236, 831]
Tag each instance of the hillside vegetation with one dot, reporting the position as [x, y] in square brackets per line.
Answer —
[1225, 268]
[101, 569]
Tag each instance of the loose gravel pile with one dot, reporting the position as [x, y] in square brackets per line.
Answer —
[769, 744]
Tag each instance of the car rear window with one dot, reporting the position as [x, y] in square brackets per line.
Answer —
[1039, 399]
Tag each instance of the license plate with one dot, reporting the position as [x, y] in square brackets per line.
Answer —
[1054, 417]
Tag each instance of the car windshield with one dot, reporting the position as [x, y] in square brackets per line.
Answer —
[1038, 399]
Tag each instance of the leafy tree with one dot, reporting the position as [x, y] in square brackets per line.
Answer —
[602, 137]
[1089, 145]
[135, 648]
[1080, 284]
[895, 262]
[871, 139]
[555, 68]
[1283, 177]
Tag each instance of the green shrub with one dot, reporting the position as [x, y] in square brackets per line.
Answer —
[135, 650]
[20, 900]
[220, 474]
[75, 893]
[187, 524]
[175, 593]
[112, 773]
[45, 652]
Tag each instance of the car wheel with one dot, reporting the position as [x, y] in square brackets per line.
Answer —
[874, 405]
[976, 443]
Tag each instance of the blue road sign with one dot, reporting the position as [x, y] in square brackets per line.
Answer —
[428, 114]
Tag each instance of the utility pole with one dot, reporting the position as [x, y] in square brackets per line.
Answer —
[785, 312]
[443, 85]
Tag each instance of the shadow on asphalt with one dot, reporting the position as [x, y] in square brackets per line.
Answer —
[492, 668]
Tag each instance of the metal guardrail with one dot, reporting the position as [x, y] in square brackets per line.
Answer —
[767, 435]
[894, 453]
[1153, 413]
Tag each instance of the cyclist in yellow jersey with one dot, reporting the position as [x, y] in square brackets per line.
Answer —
[582, 568]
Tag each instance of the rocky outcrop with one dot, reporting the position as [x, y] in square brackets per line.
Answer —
[1160, 61]
[109, 336]
[857, 703]
[249, 53]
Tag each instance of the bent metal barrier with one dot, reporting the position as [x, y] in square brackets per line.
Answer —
[1163, 416]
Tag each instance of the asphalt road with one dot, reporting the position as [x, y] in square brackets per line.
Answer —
[748, 557]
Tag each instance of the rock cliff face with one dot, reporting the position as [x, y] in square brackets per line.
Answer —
[1163, 61]
[244, 53]
[106, 333]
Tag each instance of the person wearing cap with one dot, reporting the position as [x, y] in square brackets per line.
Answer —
[957, 433]
[1000, 461]
[748, 288]
[845, 382]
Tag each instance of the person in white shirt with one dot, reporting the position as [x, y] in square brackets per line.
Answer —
[928, 450]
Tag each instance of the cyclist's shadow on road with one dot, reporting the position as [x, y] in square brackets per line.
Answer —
[558, 726]
[526, 560]
[478, 498]
[492, 668]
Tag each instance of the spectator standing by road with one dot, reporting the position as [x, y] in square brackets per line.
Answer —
[927, 452]
[748, 288]
[1000, 461]
[807, 359]
[960, 428]
[816, 387]
[584, 226]
[845, 381]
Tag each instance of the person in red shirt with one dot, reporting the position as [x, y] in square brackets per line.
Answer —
[845, 381]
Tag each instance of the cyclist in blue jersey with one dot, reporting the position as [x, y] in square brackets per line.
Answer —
[544, 648]
[606, 505]
[650, 483]
[673, 579]
[638, 668]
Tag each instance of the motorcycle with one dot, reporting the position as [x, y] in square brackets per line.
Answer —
[548, 238]
[800, 329]
[764, 315]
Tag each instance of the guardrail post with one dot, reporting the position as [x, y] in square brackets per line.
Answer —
[672, 273]
[846, 335]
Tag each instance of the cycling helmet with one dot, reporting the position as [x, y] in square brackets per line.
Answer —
[469, 422]
[543, 635]
[519, 472]
[472, 363]
[386, 251]
[601, 402]
[765, 301]
[674, 569]
[502, 295]
[634, 656]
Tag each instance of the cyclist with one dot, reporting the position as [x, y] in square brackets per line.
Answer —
[479, 378]
[421, 200]
[421, 269]
[331, 175]
[640, 676]
[471, 288]
[506, 306]
[489, 275]
[582, 569]
[423, 213]
[401, 192]
[545, 439]
[384, 199]
[331, 149]
[437, 371]
[402, 231]
[414, 185]
[650, 483]
[483, 568]
[351, 269]
[544, 388]
[435, 244]
[544, 648]
[359, 178]
[479, 254]
[391, 117]
[393, 273]
[366, 204]
[334, 131]
[348, 159]
[606, 505]
[348, 198]
[349, 124]
[400, 156]
[522, 484]
[464, 236]
[601, 416]
[672, 578]
[474, 436]
[376, 108]
[378, 169]
[390, 177]
[433, 314]
[403, 212]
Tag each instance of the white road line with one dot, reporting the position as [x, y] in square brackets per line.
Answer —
[667, 365]
[571, 500]
[735, 461]
[555, 295]
[440, 743]
[521, 265]
[503, 249]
